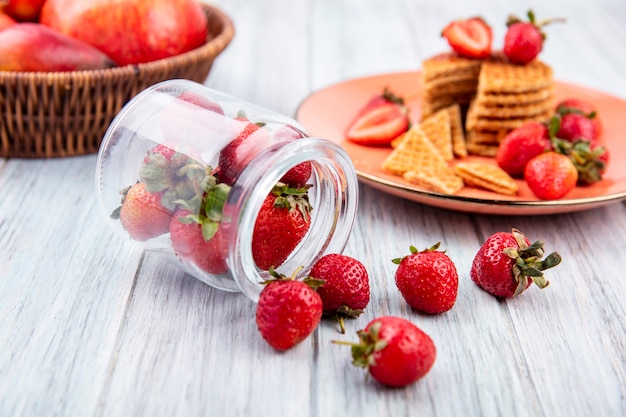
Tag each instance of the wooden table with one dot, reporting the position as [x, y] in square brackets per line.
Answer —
[92, 326]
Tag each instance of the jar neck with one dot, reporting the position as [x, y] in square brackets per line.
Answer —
[333, 195]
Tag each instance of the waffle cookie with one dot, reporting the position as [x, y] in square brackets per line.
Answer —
[437, 129]
[507, 97]
[459, 148]
[435, 179]
[487, 176]
[416, 152]
[448, 78]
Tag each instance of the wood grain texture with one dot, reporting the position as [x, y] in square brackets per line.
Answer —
[90, 325]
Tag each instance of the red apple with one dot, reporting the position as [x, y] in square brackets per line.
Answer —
[35, 47]
[130, 31]
[24, 10]
[6, 21]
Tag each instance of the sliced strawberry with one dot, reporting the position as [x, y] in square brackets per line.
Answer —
[383, 119]
[470, 38]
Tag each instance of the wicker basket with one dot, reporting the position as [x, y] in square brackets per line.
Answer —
[58, 114]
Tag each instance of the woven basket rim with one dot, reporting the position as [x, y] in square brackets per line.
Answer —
[216, 43]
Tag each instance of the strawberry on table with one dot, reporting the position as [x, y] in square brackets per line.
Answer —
[142, 214]
[288, 310]
[551, 175]
[523, 41]
[282, 222]
[394, 351]
[507, 264]
[384, 118]
[427, 280]
[521, 145]
[346, 289]
[470, 38]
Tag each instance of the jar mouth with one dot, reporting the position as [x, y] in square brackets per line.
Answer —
[333, 195]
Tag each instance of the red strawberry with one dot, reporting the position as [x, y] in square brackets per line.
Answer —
[577, 105]
[523, 41]
[470, 38]
[507, 264]
[297, 176]
[384, 118]
[200, 101]
[550, 175]
[427, 280]
[190, 112]
[576, 126]
[282, 222]
[346, 289]
[288, 311]
[394, 350]
[236, 155]
[207, 253]
[521, 145]
[141, 214]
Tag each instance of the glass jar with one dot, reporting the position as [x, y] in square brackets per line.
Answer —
[181, 159]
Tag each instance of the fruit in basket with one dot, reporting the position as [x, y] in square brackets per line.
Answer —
[523, 41]
[470, 38]
[521, 145]
[346, 289]
[282, 222]
[288, 310]
[507, 264]
[6, 21]
[131, 31]
[381, 120]
[23, 10]
[394, 351]
[551, 175]
[427, 280]
[141, 214]
[584, 107]
[34, 47]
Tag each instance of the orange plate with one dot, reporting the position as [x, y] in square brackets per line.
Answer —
[326, 114]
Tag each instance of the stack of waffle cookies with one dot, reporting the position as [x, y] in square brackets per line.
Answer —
[499, 96]
[448, 79]
[507, 97]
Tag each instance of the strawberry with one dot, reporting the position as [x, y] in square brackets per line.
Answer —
[200, 101]
[523, 41]
[574, 126]
[142, 214]
[382, 119]
[551, 175]
[470, 38]
[507, 264]
[297, 176]
[207, 252]
[584, 107]
[196, 232]
[235, 156]
[521, 145]
[394, 351]
[346, 289]
[589, 158]
[175, 175]
[282, 222]
[288, 310]
[427, 280]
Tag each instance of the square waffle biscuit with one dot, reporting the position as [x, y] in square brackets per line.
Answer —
[443, 181]
[456, 130]
[414, 153]
[487, 176]
[437, 129]
[498, 75]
